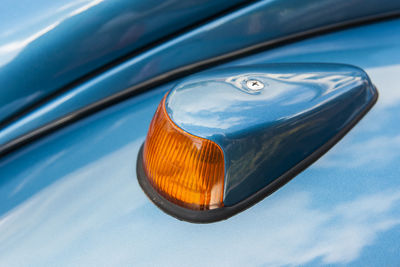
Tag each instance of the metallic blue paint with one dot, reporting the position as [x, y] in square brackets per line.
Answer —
[45, 45]
[266, 133]
[72, 198]
[246, 27]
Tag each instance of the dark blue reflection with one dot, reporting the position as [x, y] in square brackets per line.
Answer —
[45, 45]
[110, 29]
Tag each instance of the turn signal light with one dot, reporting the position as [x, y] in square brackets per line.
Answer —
[185, 169]
[224, 139]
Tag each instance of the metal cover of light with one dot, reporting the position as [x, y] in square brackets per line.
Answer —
[222, 140]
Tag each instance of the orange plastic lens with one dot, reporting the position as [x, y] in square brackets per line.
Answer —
[185, 169]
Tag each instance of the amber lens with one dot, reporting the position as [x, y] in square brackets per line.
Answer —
[183, 168]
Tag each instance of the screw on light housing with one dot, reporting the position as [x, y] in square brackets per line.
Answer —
[254, 85]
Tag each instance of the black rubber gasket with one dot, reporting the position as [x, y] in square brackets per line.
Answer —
[214, 215]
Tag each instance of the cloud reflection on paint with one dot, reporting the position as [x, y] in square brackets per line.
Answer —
[67, 219]
[290, 230]
[44, 221]
[221, 102]
[382, 147]
[10, 50]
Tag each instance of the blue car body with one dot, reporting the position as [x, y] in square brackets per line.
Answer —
[68, 188]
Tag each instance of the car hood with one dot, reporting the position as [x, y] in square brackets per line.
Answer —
[72, 198]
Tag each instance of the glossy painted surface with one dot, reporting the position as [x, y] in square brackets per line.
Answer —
[265, 133]
[45, 45]
[248, 26]
[72, 198]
